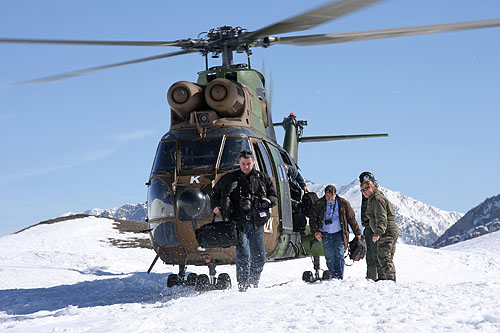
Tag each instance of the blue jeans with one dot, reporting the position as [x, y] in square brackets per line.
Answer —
[333, 246]
[248, 272]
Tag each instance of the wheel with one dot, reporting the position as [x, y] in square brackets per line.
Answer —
[308, 276]
[327, 275]
[202, 282]
[173, 280]
[191, 279]
[223, 282]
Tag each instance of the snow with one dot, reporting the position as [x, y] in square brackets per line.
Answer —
[67, 277]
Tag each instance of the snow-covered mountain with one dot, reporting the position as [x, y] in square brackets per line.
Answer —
[419, 223]
[482, 219]
[69, 276]
[131, 212]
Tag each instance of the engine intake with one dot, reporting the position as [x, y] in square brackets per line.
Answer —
[226, 97]
[184, 97]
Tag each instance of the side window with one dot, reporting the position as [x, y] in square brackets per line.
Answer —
[267, 160]
[286, 158]
[258, 157]
[280, 170]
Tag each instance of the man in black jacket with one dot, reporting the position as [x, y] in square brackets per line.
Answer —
[245, 197]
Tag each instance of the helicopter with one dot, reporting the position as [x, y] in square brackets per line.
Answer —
[225, 111]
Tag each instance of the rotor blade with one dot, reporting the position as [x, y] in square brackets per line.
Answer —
[99, 68]
[339, 137]
[90, 42]
[311, 19]
[344, 37]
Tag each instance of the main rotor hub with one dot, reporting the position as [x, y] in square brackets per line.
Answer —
[225, 40]
[224, 33]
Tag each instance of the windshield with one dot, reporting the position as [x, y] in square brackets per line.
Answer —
[232, 148]
[199, 153]
[160, 200]
[165, 157]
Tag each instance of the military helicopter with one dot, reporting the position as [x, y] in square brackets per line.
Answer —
[225, 111]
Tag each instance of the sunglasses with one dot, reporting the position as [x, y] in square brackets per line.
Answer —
[364, 189]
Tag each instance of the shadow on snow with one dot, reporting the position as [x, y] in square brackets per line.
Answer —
[138, 288]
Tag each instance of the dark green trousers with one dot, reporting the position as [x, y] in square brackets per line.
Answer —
[386, 247]
[373, 270]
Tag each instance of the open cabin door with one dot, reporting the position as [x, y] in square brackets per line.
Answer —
[270, 161]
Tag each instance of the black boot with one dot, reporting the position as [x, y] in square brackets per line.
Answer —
[242, 287]
[388, 278]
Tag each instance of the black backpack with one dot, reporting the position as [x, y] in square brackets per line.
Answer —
[357, 248]
[308, 201]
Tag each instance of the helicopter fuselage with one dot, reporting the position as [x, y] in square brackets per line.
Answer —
[185, 170]
[211, 122]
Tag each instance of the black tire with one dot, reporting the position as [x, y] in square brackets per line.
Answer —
[173, 280]
[191, 279]
[308, 276]
[202, 282]
[327, 275]
[223, 282]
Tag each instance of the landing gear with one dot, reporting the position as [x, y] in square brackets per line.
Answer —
[223, 282]
[327, 275]
[309, 277]
[177, 279]
[173, 280]
[202, 282]
[191, 279]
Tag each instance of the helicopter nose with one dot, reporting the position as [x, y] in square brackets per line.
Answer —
[192, 203]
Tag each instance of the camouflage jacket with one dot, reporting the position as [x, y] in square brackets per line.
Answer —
[380, 213]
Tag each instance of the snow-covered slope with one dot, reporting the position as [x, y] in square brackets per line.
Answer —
[419, 223]
[482, 219]
[68, 277]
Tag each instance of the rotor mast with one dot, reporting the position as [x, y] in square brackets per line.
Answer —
[293, 131]
[227, 57]
[224, 41]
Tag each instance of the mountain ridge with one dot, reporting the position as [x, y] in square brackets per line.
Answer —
[480, 220]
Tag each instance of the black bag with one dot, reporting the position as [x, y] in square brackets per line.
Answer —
[295, 191]
[218, 234]
[260, 217]
[299, 221]
[357, 248]
[308, 201]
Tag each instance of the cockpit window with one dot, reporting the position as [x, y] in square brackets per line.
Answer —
[232, 148]
[160, 200]
[165, 157]
[199, 153]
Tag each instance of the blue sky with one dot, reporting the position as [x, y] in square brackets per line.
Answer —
[88, 142]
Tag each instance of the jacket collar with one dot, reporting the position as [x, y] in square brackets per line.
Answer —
[337, 197]
[242, 174]
[376, 193]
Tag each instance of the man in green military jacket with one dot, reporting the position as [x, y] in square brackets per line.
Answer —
[372, 264]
